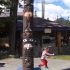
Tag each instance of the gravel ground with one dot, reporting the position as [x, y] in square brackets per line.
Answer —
[53, 64]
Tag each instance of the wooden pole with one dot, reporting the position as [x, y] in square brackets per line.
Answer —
[59, 41]
[27, 48]
[43, 7]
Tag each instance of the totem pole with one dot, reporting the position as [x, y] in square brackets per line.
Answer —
[27, 48]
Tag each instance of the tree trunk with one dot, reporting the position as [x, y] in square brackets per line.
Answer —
[13, 29]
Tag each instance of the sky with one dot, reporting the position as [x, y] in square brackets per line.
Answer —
[53, 8]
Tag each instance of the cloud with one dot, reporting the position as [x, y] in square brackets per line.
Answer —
[66, 2]
[19, 8]
[50, 1]
[47, 1]
[38, 6]
[51, 11]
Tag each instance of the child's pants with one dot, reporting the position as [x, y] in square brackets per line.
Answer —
[44, 62]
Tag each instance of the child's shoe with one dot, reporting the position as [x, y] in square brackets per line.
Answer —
[39, 65]
[47, 67]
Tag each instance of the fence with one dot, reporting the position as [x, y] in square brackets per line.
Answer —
[64, 51]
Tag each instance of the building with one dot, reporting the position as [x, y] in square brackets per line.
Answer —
[47, 33]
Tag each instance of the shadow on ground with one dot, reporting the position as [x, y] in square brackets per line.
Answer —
[2, 64]
[67, 69]
[36, 68]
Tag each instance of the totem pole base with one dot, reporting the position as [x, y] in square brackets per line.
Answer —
[20, 68]
[37, 68]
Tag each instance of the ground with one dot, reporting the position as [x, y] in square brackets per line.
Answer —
[53, 64]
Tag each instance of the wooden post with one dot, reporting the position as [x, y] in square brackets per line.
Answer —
[43, 7]
[41, 41]
[59, 41]
[27, 48]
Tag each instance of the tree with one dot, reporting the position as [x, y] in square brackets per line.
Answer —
[61, 20]
[47, 18]
[13, 28]
[35, 14]
[5, 22]
[68, 22]
[12, 5]
[4, 6]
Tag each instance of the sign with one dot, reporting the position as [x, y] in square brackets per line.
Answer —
[47, 30]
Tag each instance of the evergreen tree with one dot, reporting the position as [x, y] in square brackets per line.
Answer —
[13, 26]
[61, 20]
[35, 13]
[4, 6]
[12, 5]
[47, 18]
[68, 22]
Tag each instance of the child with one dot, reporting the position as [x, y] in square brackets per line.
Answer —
[43, 57]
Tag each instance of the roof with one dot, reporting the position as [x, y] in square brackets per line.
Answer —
[7, 14]
[40, 22]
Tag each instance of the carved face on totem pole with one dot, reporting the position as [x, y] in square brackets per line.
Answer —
[28, 39]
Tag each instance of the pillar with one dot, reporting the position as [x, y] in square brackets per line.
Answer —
[59, 41]
[27, 48]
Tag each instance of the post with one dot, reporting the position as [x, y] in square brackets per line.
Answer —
[43, 8]
[59, 41]
[27, 48]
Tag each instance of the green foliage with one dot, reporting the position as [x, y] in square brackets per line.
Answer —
[59, 21]
[68, 23]
[35, 13]
[6, 4]
[47, 18]
[63, 21]
[61, 57]
[0, 10]
[5, 22]
[2, 57]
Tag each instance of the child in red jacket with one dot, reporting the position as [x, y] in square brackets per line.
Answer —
[43, 56]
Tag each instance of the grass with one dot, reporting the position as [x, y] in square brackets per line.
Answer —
[61, 57]
[10, 56]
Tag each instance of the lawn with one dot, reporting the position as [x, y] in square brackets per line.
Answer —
[61, 57]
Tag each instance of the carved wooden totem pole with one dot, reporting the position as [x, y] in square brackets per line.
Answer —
[27, 49]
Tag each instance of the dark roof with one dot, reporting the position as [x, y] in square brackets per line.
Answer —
[39, 22]
[7, 14]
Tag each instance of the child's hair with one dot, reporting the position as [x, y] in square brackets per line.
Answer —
[45, 48]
